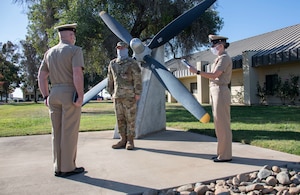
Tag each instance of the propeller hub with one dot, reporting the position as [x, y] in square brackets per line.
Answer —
[137, 45]
[139, 49]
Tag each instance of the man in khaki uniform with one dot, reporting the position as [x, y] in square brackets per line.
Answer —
[125, 86]
[63, 64]
[219, 77]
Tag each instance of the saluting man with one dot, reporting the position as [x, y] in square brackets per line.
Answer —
[220, 77]
[125, 86]
[63, 64]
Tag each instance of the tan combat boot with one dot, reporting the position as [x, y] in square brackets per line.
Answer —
[121, 143]
[130, 144]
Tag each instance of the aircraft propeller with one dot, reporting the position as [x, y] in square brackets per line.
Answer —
[142, 53]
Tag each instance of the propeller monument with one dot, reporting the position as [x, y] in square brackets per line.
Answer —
[143, 54]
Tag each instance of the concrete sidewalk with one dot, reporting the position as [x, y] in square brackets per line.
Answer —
[162, 160]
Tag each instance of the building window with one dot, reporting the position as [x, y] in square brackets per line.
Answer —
[193, 87]
[271, 82]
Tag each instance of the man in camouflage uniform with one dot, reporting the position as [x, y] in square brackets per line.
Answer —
[125, 86]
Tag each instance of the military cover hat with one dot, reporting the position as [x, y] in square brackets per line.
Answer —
[121, 44]
[214, 39]
[65, 27]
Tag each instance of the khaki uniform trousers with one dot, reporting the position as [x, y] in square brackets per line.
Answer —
[220, 96]
[65, 118]
[125, 109]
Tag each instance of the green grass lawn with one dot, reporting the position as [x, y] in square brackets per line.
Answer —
[273, 127]
[31, 119]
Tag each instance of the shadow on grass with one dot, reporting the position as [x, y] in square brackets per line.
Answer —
[22, 104]
[175, 114]
[242, 114]
[265, 114]
[91, 112]
[98, 107]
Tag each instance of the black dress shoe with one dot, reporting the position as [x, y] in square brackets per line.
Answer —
[222, 160]
[77, 170]
[57, 173]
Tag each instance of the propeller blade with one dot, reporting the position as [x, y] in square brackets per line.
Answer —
[177, 89]
[94, 91]
[116, 27]
[178, 24]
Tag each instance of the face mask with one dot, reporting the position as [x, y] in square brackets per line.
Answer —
[214, 50]
[73, 38]
[122, 53]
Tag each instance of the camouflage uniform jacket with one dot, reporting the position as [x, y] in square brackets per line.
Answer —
[124, 78]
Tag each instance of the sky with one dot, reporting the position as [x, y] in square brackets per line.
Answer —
[242, 19]
[13, 22]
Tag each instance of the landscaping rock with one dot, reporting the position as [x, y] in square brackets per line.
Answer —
[271, 181]
[283, 178]
[268, 180]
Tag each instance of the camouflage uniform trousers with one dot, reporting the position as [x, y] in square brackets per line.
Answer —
[125, 109]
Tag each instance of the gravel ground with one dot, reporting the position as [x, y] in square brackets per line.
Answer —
[275, 180]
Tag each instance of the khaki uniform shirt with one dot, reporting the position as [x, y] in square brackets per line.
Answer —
[62, 57]
[222, 63]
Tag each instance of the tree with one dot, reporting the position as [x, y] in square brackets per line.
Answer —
[143, 19]
[294, 88]
[261, 93]
[30, 64]
[288, 89]
[9, 77]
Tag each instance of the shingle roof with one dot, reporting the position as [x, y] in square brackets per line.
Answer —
[278, 46]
